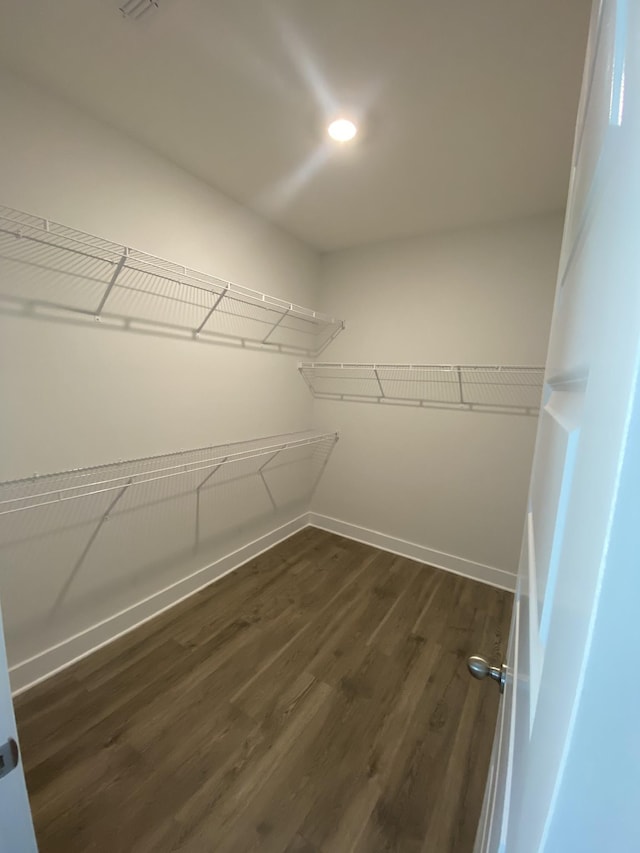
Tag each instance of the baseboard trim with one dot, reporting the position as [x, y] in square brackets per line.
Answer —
[450, 563]
[39, 667]
[29, 672]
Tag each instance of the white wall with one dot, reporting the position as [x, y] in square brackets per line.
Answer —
[446, 481]
[80, 394]
[77, 394]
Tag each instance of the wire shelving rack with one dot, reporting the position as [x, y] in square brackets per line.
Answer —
[459, 386]
[55, 268]
[199, 465]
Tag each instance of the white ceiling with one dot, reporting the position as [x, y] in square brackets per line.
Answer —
[467, 106]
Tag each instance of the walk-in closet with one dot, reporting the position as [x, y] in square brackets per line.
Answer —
[270, 389]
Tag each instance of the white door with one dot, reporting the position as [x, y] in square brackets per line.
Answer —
[565, 775]
[16, 827]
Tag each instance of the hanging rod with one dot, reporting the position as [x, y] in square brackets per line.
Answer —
[453, 385]
[125, 265]
[215, 456]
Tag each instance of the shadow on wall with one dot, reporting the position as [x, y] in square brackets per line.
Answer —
[76, 547]
[52, 272]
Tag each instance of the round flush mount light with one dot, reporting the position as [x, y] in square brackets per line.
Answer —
[342, 130]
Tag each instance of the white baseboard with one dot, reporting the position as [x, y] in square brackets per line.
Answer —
[449, 562]
[29, 672]
[41, 666]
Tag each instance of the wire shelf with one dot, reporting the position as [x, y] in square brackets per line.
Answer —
[118, 477]
[462, 386]
[56, 268]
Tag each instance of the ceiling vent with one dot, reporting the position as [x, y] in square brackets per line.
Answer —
[136, 9]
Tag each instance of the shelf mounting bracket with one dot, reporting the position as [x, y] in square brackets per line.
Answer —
[459, 371]
[83, 556]
[198, 487]
[210, 312]
[375, 370]
[116, 273]
[275, 326]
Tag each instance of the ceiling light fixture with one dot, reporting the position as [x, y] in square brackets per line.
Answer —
[342, 130]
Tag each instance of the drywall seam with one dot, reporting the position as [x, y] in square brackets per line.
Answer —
[458, 565]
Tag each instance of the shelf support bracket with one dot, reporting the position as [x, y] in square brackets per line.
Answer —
[198, 487]
[275, 326]
[324, 344]
[210, 312]
[116, 273]
[262, 477]
[269, 492]
[325, 462]
[307, 380]
[87, 547]
[459, 372]
[270, 459]
[211, 473]
[375, 370]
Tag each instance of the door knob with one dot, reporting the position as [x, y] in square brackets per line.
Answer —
[479, 668]
[9, 756]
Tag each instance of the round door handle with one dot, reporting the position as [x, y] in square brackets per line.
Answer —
[9, 757]
[479, 668]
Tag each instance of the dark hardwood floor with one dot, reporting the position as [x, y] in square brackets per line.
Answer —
[316, 699]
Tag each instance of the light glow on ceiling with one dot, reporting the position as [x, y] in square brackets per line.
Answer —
[342, 130]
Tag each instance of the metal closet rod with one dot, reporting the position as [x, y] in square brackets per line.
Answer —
[124, 257]
[53, 496]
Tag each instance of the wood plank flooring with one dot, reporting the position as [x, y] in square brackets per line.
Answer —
[316, 699]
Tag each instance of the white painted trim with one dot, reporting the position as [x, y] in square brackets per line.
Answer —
[41, 666]
[29, 672]
[449, 562]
